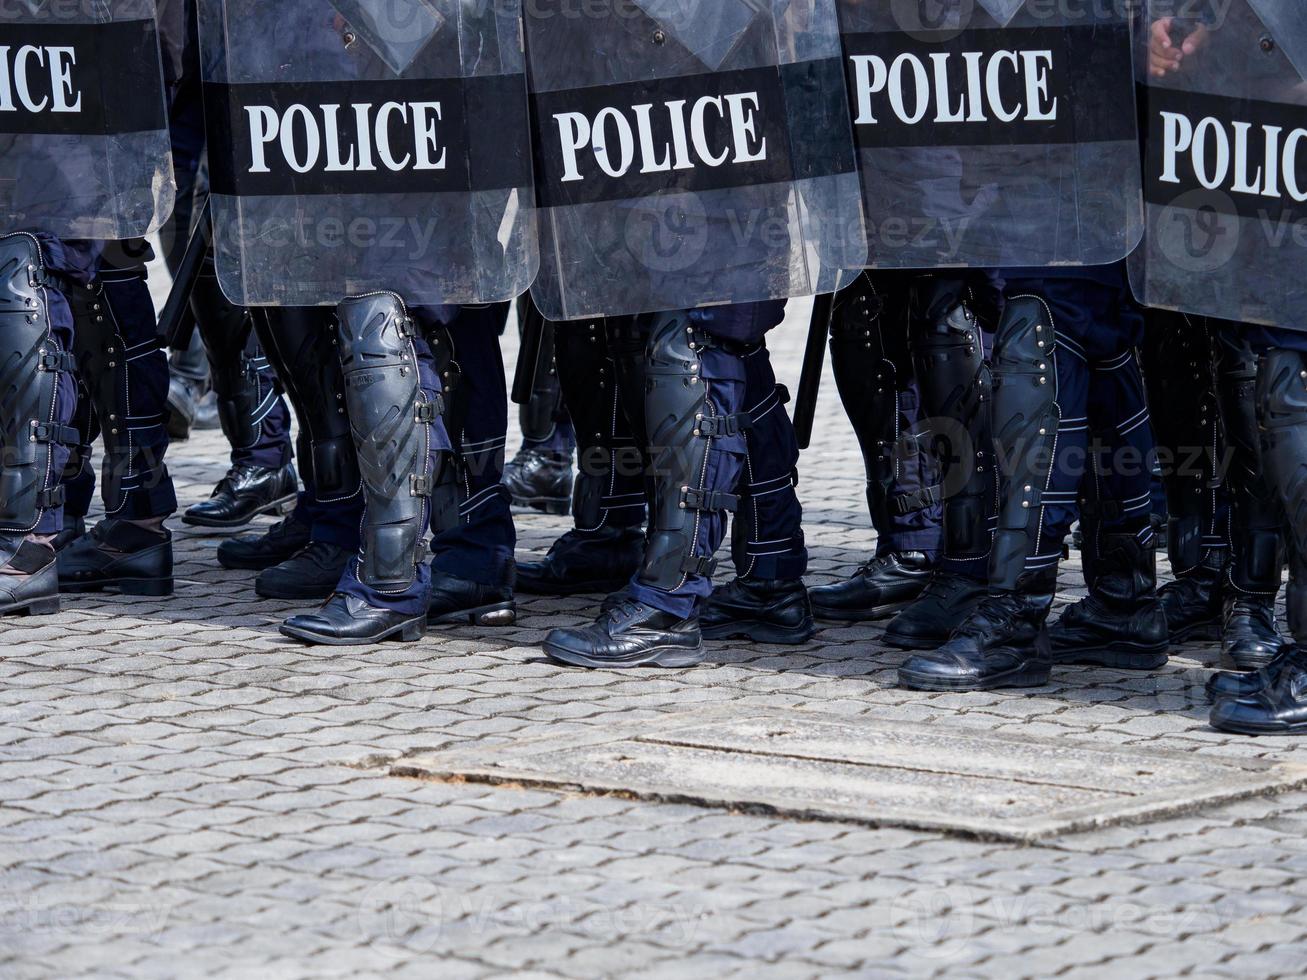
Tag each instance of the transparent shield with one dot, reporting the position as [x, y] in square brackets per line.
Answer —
[362, 145]
[84, 147]
[689, 154]
[994, 133]
[1225, 166]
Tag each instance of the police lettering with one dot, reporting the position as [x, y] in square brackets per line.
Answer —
[1235, 156]
[36, 78]
[975, 87]
[342, 139]
[713, 131]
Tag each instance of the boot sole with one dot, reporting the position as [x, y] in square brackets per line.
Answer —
[860, 615]
[670, 657]
[1032, 677]
[409, 631]
[762, 632]
[278, 508]
[560, 506]
[1297, 728]
[497, 614]
[126, 586]
[1119, 656]
[46, 606]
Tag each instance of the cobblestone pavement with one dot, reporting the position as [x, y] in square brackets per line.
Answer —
[184, 792]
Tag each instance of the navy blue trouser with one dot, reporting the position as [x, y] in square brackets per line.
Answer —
[1102, 459]
[476, 541]
[769, 454]
[122, 393]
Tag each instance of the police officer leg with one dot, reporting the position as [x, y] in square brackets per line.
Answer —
[78, 480]
[868, 343]
[948, 317]
[304, 556]
[1182, 395]
[767, 601]
[36, 330]
[472, 568]
[126, 375]
[540, 475]
[253, 415]
[393, 399]
[693, 396]
[1040, 389]
[1249, 636]
[606, 544]
[1278, 705]
[1122, 623]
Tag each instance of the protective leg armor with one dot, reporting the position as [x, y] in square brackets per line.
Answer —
[32, 367]
[1026, 419]
[687, 439]
[957, 391]
[392, 422]
[226, 330]
[302, 346]
[541, 415]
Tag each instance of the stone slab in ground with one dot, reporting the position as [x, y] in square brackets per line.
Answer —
[808, 765]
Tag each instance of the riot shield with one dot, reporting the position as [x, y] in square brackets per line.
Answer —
[84, 147]
[1225, 163]
[689, 154]
[362, 145]
[994, 133]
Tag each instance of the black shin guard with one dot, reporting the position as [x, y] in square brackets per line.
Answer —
[32, 366]
[957, 393]
[1282, 415]
[391, 419]
[1025, 432]
[301, 345]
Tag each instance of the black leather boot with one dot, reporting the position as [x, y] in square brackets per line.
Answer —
[118, 555]
[1250, 638]
[243, 494]
[255, 552]
[1279, 708]
[345, 620]
[312, 573]
[1121, 624]
[1192, 604]
[1246, 684]
[74, 528]
[540, 479]
[1003, 643]
[456, 600]
[762, 611]
[583, 562]
[29, 584]
[630, 634]
[877, 590]
[944, 604]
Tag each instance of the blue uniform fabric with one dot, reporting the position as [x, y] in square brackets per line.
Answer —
[1099, 392]
[737, 328]
[767, 535]
[146, 487]
[479, 544]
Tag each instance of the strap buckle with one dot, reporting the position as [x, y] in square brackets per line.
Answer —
[419, 485]
[694, 565]
[692, 499]
[721, 426]
[52, 432]
[908, 503]
[57, 361]
[50, 499]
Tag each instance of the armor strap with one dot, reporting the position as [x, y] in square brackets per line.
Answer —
[721, 426]
[693, 499]
[909, 503]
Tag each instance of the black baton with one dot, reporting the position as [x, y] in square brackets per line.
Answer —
[176, 321]
[528, 355]
[814, 362]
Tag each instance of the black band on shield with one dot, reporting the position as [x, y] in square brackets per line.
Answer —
[91, 64]
[426, 147]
